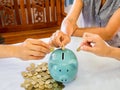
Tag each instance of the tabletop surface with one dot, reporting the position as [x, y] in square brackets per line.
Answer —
[94, 72]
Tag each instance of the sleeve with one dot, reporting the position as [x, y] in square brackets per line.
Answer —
[117, 4]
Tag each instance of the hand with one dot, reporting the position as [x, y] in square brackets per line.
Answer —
[95, 44]
[59, 39]
[32, 49]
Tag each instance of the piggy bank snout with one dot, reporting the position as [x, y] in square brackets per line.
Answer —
[66, 73]
[64, 79]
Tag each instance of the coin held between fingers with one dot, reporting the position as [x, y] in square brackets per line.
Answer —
[63, 47]
[52, 49]
[78, 49]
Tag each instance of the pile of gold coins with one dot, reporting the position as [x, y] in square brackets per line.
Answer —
[38, 78]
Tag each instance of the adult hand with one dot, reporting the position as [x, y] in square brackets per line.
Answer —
[95, 44]
[62, 37]
[59, 39]
[32, 49]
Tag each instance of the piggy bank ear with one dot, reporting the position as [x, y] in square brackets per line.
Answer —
[73, 64]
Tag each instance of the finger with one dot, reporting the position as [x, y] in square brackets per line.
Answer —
[53, 40]
[45, 45]
[59, 38]
[51, 43]
[39, 44]
[32, 58]
[38, 54]
[38, 48]
[90, 40]
[58, 41]
[37, 57]
[92, 37]
[32, 41]
[86, 43]
[55, 44]
[65, 41]
[83, 43]
[87, 48]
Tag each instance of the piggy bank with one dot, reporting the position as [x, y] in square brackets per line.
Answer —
[63, 65]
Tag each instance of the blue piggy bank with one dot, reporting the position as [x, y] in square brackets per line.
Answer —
[63, 65]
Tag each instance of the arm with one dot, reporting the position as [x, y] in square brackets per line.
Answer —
[111, 28]
[30, 49]
[62, 37]
[69, 23]
[7, 51]
[100, 47]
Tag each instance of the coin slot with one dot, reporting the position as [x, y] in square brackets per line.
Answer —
[62, 56]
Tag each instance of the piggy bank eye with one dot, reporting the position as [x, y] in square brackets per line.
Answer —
[59, 70]
[67, 70]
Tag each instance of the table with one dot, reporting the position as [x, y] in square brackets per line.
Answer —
[94, 73]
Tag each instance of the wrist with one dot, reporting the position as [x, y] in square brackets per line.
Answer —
[17, 51]
[14, 51]
[75, 29]
[114, 53]
[7, 51]
[68, 27]
[110, 51]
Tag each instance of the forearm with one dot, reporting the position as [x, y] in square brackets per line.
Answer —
[102, 32]
[114, 53]
[107, 32]
[69, 23]
[8, 51]
[75, 11]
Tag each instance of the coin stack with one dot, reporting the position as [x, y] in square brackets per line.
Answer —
[38, 78]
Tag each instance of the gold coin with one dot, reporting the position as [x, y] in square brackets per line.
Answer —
[38, 78]
[52, 49]
[78, 49]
